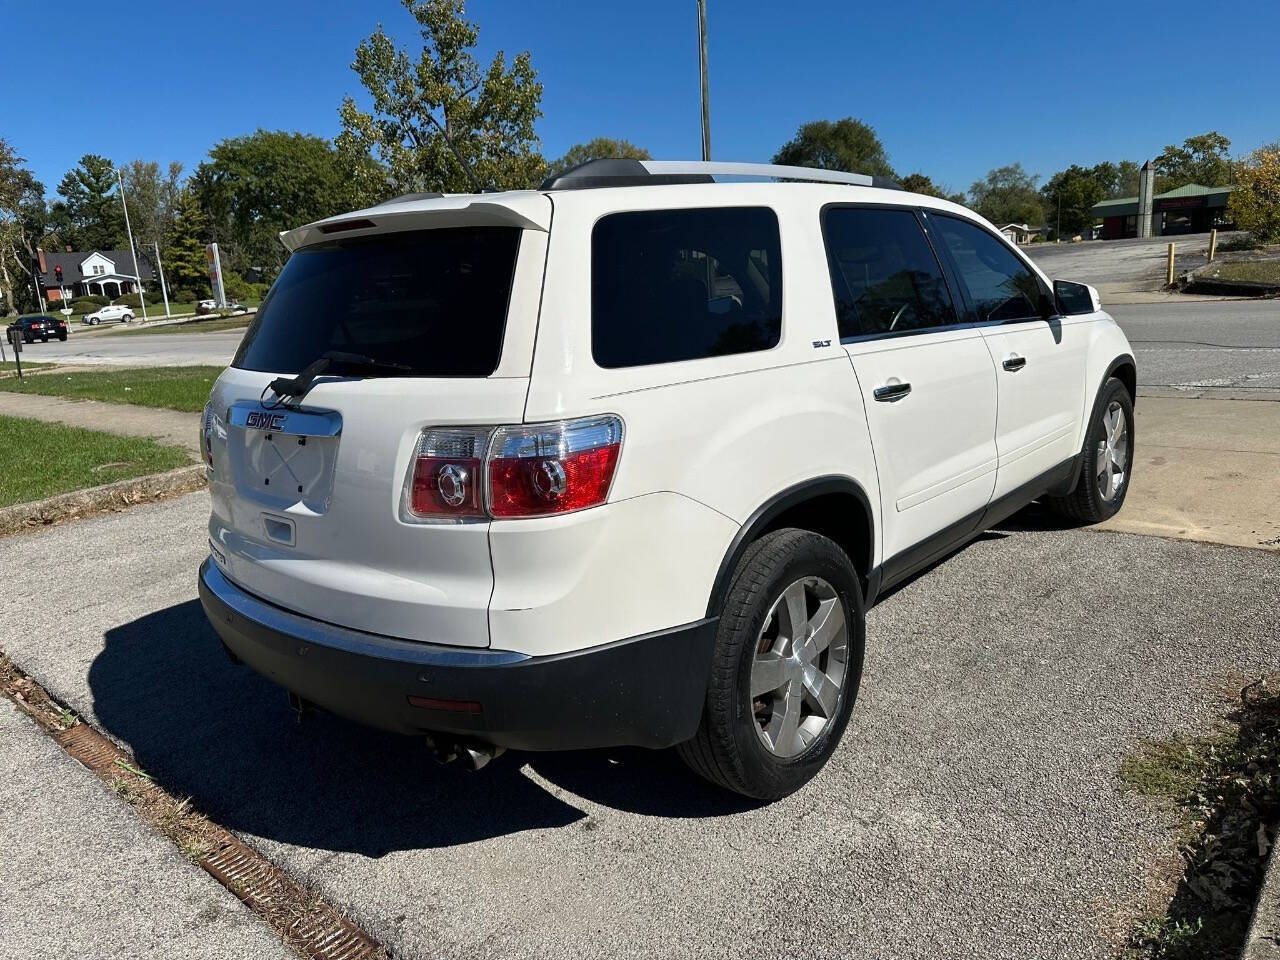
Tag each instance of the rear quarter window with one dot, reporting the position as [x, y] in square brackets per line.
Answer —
[670, 285]
[432, 301]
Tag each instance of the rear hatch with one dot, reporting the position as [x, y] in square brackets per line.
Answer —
[431, 308]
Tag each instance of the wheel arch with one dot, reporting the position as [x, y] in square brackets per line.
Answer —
[836, 507]
[1125, 369]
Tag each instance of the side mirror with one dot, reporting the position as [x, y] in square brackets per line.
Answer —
[1075, 298]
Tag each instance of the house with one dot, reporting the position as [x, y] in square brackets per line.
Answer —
[1018, 233]
[107, 273]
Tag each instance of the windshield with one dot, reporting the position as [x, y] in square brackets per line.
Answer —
[428, 303]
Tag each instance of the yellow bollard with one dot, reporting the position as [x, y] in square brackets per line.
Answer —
[1168, 278]
[1213, 244]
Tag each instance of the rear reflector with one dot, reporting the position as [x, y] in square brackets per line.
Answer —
[451, 706]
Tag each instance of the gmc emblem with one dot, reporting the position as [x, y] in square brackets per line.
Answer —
[264, 421]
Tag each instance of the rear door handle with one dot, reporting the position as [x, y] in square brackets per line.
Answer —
[891, 392]
[1014, 364]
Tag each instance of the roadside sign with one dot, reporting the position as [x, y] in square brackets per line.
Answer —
[15, 337]
[215, 274]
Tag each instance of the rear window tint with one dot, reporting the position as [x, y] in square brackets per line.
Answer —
[670, 285]
[434, 301]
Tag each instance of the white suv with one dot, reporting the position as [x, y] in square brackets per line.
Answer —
[103, 314]
[626, 459]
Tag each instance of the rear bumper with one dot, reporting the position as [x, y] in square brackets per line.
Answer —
[645, 691]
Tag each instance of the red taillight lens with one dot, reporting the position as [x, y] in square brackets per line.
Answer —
[448, 474]
[542, 469]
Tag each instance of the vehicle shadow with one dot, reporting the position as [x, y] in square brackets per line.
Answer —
[226, 737]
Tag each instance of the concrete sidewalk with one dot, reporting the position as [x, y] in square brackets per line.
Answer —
[82, 876]
[1206, 469]
[167, 426]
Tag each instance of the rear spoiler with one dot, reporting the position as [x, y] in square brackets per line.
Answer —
[525, 209]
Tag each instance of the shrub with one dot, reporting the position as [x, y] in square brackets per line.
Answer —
[95, 299]
[1255, 202]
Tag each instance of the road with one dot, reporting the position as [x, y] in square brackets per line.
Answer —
[972, 810]
[1182, 345]
[1231, 344]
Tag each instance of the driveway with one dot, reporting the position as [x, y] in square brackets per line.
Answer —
[972, 810]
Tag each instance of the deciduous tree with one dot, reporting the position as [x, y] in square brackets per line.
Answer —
[1255, 203]
[23, 219]
[1008, 195]
[255, 186]
[1070, 193]
[1203, 159]
[439, 121]
[920, 183]
[847, 144]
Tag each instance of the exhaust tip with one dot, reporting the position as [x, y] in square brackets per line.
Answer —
[470, 754]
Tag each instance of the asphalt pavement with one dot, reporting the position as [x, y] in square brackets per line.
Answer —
[141, 350]
[65, 840]
[971, 811]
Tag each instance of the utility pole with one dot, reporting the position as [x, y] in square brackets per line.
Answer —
[133, 251]
[1059, 213]
[702, 72]
[164, 290]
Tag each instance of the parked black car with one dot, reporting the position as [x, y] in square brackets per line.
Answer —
[56, 326]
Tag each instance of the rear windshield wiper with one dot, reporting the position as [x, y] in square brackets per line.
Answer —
[332, 361]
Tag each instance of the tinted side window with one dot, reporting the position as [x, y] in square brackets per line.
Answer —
[671, 285]
[883, 273]
[1001, 288]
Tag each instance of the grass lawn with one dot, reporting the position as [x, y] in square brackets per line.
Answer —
[42, 459]
[7, 369]
[1246, 271]
[210, 324]
[177, 388]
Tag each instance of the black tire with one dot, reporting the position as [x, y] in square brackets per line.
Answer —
[1086, 503]
[728, 749]
[44, 339]
[62, 337]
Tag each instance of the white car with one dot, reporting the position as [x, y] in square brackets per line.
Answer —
[102, 315]
[626, 459]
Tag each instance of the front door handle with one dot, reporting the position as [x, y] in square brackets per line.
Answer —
[891, 392]
[1015, 363]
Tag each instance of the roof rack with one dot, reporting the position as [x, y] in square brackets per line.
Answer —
[618, 172]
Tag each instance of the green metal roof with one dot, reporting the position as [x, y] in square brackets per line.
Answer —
[1123, 206]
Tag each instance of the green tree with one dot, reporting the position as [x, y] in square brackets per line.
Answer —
[599, 148]
[1008, 195]
[23, 219]
[255, 186]
[1126, 180]
[91, 209]
[152, 197]
[1203, 159]
[440, 122]
[185, 264]
[847, 144]
[1255, 203]
[921, 183]
[1073, 192]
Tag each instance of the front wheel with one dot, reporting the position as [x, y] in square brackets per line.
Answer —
[786, 667]
[1106, 467]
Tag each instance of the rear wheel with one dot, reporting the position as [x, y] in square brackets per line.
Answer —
[1106, 467]
[786, 667]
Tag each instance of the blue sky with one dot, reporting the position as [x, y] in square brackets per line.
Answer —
[952, 88]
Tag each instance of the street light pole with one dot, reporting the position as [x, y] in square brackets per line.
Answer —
[133, 251]
[164, 290]
[702, 73]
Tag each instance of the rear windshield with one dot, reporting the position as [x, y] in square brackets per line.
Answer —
[433, 301]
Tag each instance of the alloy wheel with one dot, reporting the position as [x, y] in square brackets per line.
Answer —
[800, 664]
[1112, 461]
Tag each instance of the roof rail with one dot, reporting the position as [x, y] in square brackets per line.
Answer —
[617, 172]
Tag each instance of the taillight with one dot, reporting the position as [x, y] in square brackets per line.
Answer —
[206, 434]
[447, 482]
[542, 469]
[530, 470]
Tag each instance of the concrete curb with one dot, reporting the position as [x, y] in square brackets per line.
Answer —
[1263, 942]
[111, 496]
